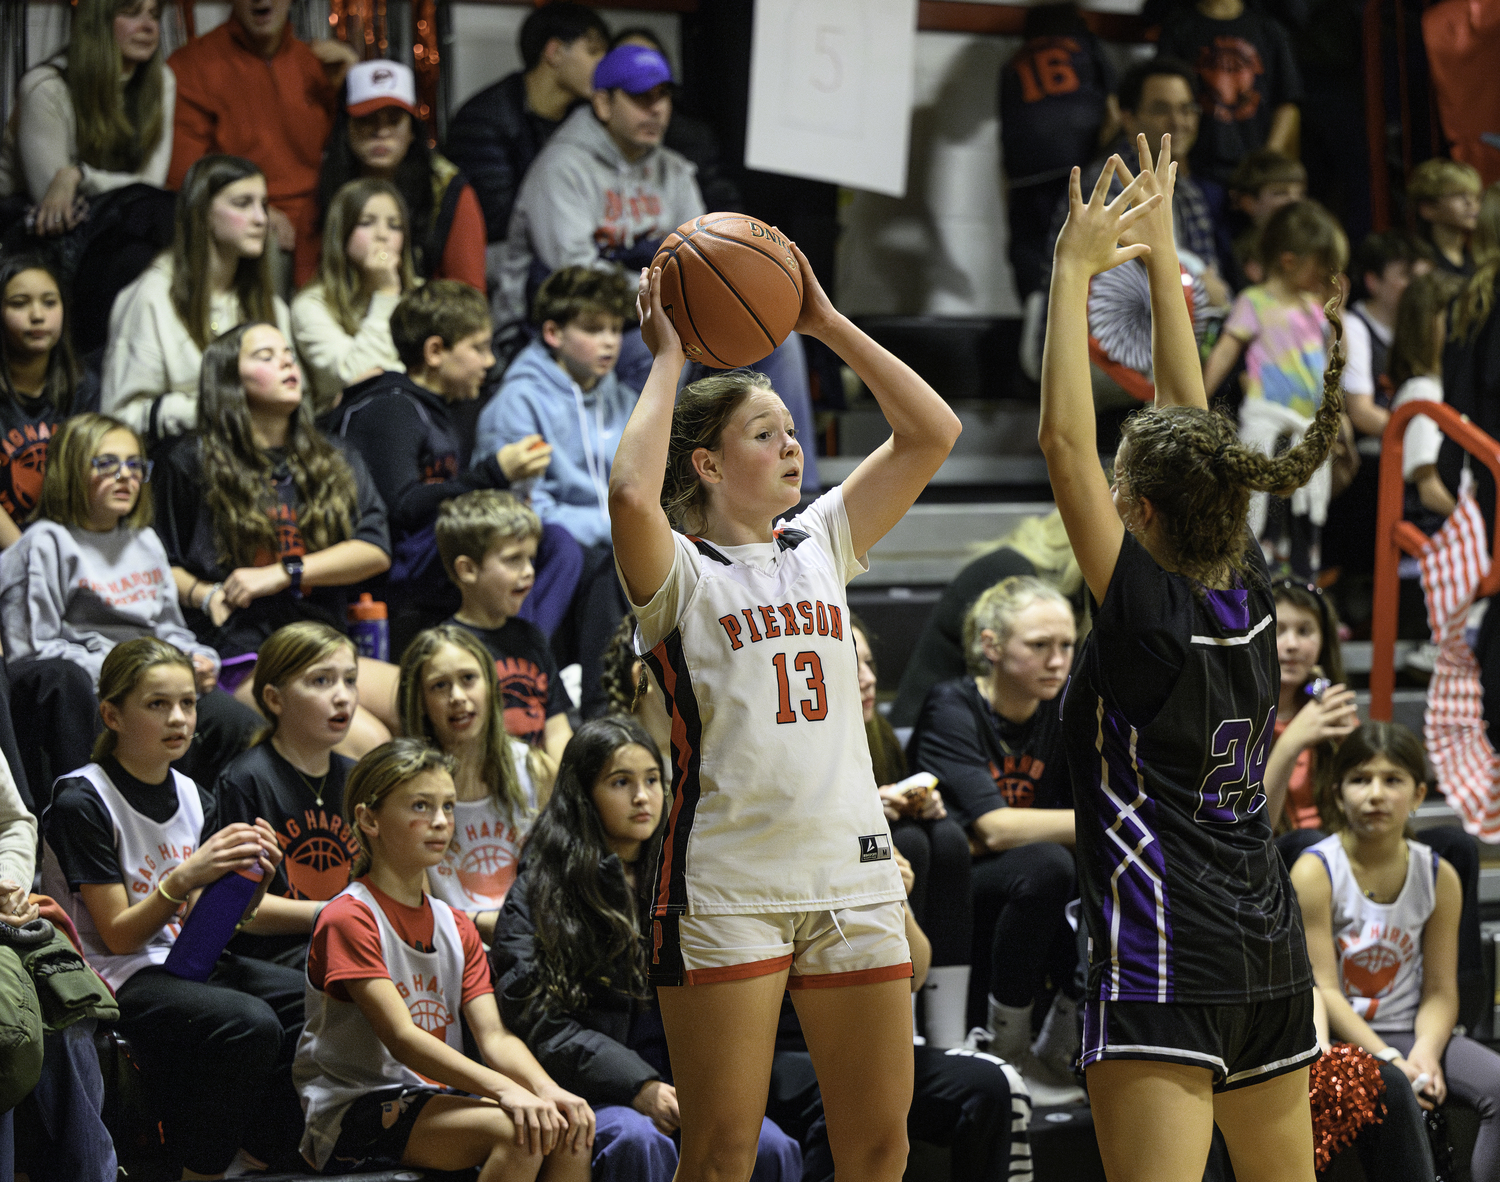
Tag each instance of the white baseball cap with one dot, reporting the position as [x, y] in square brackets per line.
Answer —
[380, 83]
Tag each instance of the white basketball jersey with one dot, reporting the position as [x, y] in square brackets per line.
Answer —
[480, 865]
[147, 851]
[1380, 944]
[339, 1056]
[774, 805]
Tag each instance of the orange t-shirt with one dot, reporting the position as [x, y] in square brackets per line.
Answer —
[275, 111]
[1301, 804]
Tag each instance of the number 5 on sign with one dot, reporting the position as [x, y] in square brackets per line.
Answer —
[830, 90]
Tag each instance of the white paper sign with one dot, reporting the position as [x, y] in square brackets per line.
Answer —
[830, 91]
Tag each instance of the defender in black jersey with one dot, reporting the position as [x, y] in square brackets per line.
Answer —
[1199, 1005]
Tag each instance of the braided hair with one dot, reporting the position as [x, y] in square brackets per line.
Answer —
[1190, 464]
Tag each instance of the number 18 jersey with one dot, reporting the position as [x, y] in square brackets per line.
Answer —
[773, 805]
[1168, 720]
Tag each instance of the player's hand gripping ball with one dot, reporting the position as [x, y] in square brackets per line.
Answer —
[732, 287]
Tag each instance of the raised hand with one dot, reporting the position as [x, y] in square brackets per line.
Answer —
[657, 330]
[1090, 238]
[1160, 176]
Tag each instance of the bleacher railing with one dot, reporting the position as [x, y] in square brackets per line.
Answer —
[1393, 536]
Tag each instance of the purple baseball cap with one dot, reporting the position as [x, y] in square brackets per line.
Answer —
[634, 69]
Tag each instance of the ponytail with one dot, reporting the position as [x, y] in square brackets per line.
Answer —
[1190, 464]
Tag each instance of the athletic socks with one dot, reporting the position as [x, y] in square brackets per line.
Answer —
[945, 996]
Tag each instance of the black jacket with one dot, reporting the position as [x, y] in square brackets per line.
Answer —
[494, 138]
[407, 437]
[586, 1053]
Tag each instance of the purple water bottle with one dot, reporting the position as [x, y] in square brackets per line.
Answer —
[211, 923]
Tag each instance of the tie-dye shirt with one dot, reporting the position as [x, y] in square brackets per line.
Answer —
[1285, 355]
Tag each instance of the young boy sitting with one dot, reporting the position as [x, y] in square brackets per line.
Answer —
[402, 426]
[563, 388]
[1262, 183]
[487, 541]
[1444, 194]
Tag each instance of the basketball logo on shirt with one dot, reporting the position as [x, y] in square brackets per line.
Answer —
[317, 868]
[524, 688]
[23, 454]
[1229, 69]
[487, 871]
[1370, 972]
[1017, 780]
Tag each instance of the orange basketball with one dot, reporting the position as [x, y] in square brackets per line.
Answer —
[732, 287]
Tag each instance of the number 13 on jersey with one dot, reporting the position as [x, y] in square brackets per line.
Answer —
[808, 666]
[1233, 789]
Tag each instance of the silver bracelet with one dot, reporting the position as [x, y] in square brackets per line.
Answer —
[207, 599]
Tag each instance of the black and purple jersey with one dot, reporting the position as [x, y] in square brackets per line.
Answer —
[1167, 721]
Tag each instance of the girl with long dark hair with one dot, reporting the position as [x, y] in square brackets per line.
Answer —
[216, 275]
[40, 383]
[266, 521]
[569, 955]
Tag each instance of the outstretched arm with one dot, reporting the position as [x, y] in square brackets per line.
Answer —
[878, 493]
[1087, 245]
[639, 527]
[1175, 365]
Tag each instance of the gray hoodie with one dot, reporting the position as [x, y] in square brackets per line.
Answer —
[75, 594]
[582, 200]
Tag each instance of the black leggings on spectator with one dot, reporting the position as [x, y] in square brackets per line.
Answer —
[959, 1099]
[1021, 936]
[941, 901]
[217, 1057]
[52, 702]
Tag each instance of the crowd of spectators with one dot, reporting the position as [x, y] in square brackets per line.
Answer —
[268, 421]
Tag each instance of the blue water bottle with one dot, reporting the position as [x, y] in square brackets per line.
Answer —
[369, 628]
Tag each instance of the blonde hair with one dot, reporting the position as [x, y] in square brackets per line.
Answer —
[703, 409]
[471, 525]
[1472, 307]
[376, 776]
[286, 653]
[69, 472]
[1043, 542]
[996, 610]
[498, 770]
[1433, 179]
[122, 671]
[342, 282]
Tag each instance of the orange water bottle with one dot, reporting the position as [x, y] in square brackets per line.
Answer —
[369, 628]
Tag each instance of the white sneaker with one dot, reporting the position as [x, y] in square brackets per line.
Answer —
[979, 1039]
[1049, 1089]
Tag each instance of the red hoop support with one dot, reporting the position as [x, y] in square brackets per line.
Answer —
[1394, 536]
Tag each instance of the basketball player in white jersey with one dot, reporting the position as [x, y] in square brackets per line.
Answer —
[776, 869]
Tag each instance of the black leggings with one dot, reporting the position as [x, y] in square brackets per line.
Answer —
[940, 899]
[959, 1099]
[1021, 936]
[217, 1055]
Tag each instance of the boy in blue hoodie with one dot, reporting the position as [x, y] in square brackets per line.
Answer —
[562, 389]
[401, 425]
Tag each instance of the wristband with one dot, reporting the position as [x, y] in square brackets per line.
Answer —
[207, 599]
[161, 888]
[1388, 1055]
[249, 919]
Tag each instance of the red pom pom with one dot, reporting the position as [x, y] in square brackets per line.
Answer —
[1345, 1091]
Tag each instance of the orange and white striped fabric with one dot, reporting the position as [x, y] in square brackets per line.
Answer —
[1452, 565]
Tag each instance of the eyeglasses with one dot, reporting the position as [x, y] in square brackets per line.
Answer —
[109, 466]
